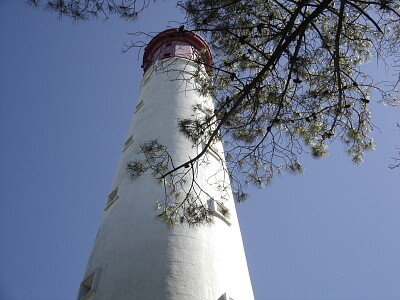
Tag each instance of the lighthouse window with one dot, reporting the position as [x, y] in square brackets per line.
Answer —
[145, 81]
[138, 106]
[219, 210]
[112, 198]
[214, 152]
[128, 142]
[211, 150]
[225, 297]
[88, 286]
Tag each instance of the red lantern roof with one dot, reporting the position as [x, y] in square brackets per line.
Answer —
[176, 43]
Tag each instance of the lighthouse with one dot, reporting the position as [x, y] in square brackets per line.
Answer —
[136, 256]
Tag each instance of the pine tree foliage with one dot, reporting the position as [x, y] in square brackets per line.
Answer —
[287, 78]
[87, 9]
[181, 189]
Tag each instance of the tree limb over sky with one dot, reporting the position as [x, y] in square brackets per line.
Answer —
[287, 79]
[87, 9]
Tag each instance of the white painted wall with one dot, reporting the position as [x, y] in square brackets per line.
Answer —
[139, 256]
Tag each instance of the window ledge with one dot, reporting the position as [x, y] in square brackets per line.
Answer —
[88, 295]
[138, 106]
[111, 202]
[222, 217]
[215, 208]
[126, 146]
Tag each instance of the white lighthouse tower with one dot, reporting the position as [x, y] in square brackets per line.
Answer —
[135, 256]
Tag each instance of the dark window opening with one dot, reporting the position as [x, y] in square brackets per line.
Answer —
[87, 289]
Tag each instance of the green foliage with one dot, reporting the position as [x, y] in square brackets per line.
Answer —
[182, 195]
[288, 76]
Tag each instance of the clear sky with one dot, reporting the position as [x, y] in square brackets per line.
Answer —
[66, 99]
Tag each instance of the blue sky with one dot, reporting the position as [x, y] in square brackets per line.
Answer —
[66, 99]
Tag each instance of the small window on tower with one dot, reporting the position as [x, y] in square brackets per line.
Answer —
[212, 151]
[88, 286]
[219, 210]
[145, 81]
[128, 142]
[112, 198]
[225, 297]
[138, 106]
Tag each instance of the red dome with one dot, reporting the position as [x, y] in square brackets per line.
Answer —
[176, 43]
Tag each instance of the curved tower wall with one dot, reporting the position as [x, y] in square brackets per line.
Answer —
[135, 255]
